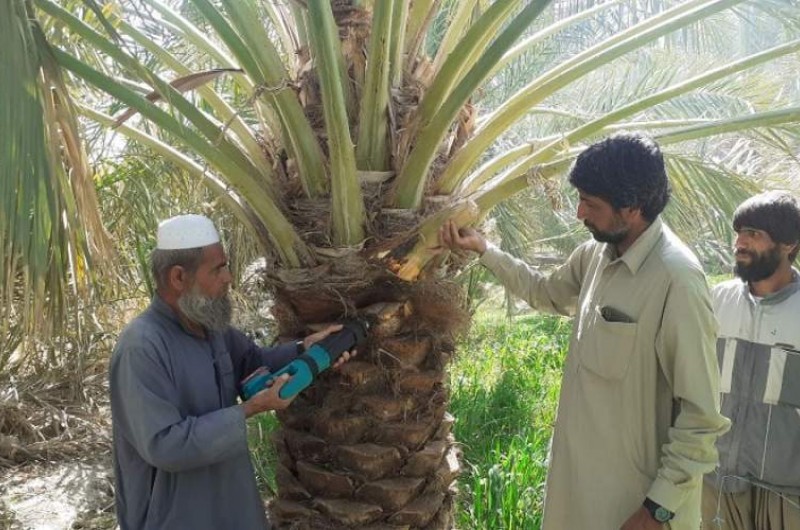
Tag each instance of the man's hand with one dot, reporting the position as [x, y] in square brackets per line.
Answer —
[267, 399]
[452, 237]
[319, 335]
[346, 356]
[642, 520]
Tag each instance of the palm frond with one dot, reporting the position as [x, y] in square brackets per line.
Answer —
[220, 189]
[718, 189]
[412, 179]
[181, 84]
[282, 235]
[246, 38]
[49, 231]
[581, 64]
[372, 146]
[347, 206]
[232, 118]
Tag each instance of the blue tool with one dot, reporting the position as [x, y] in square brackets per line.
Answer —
[304, 369]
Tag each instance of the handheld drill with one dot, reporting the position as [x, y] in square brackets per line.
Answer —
[305, 368]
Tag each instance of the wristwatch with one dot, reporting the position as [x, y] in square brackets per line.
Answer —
[657, 512]
[300, 347]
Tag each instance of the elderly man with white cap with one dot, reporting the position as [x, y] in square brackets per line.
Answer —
[180, 442]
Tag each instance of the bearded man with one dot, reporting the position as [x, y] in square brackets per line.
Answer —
[757, 483]
[638, 415]
[179, 436]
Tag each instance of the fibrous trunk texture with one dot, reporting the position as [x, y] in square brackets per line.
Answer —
[370, 445]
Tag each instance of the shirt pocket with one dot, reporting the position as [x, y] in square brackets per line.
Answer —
[224, 364]
[225, 378]
[779, 466]
[784, 373]
[610, 348]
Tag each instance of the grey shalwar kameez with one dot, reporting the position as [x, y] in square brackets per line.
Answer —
[180, 444]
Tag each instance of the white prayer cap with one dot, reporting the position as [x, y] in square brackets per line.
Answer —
[186, 231]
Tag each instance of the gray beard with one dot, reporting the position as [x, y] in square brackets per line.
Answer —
[212, 313]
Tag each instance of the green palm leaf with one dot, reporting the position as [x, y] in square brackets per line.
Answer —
[50, 231]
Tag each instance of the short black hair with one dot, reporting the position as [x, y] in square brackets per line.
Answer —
[162, 261]
[627, 170]
[776, 213]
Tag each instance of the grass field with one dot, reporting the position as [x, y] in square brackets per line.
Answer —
[504, 389]
[505, 386]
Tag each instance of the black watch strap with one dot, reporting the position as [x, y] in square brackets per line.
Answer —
[657, 512]
[300, 346]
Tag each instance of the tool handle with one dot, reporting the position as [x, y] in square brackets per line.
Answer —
[305, 368]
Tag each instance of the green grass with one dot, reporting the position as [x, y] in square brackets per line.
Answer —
[259, 430]
[504, 390]
[505, 385]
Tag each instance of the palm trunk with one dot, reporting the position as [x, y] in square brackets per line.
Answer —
[370, 445]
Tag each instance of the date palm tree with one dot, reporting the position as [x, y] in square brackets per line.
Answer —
[342, 135]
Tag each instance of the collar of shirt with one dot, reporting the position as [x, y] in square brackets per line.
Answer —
[640, 249]
[778, 296]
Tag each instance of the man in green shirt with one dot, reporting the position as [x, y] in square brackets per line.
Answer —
[638, 414]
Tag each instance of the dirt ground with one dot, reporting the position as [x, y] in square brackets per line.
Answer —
[75, 494]
[55, 455]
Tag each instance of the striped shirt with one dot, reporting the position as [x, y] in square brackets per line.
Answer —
[759, 357]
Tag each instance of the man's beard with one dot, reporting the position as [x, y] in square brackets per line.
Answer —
[614, 237]
[762, 265]
[212, 313]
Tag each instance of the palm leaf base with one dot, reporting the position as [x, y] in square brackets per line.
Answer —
[370, 445]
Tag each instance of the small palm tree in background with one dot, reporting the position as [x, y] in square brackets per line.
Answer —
[343, 134]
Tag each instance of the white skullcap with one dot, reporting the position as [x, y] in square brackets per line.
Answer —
[186, 231]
